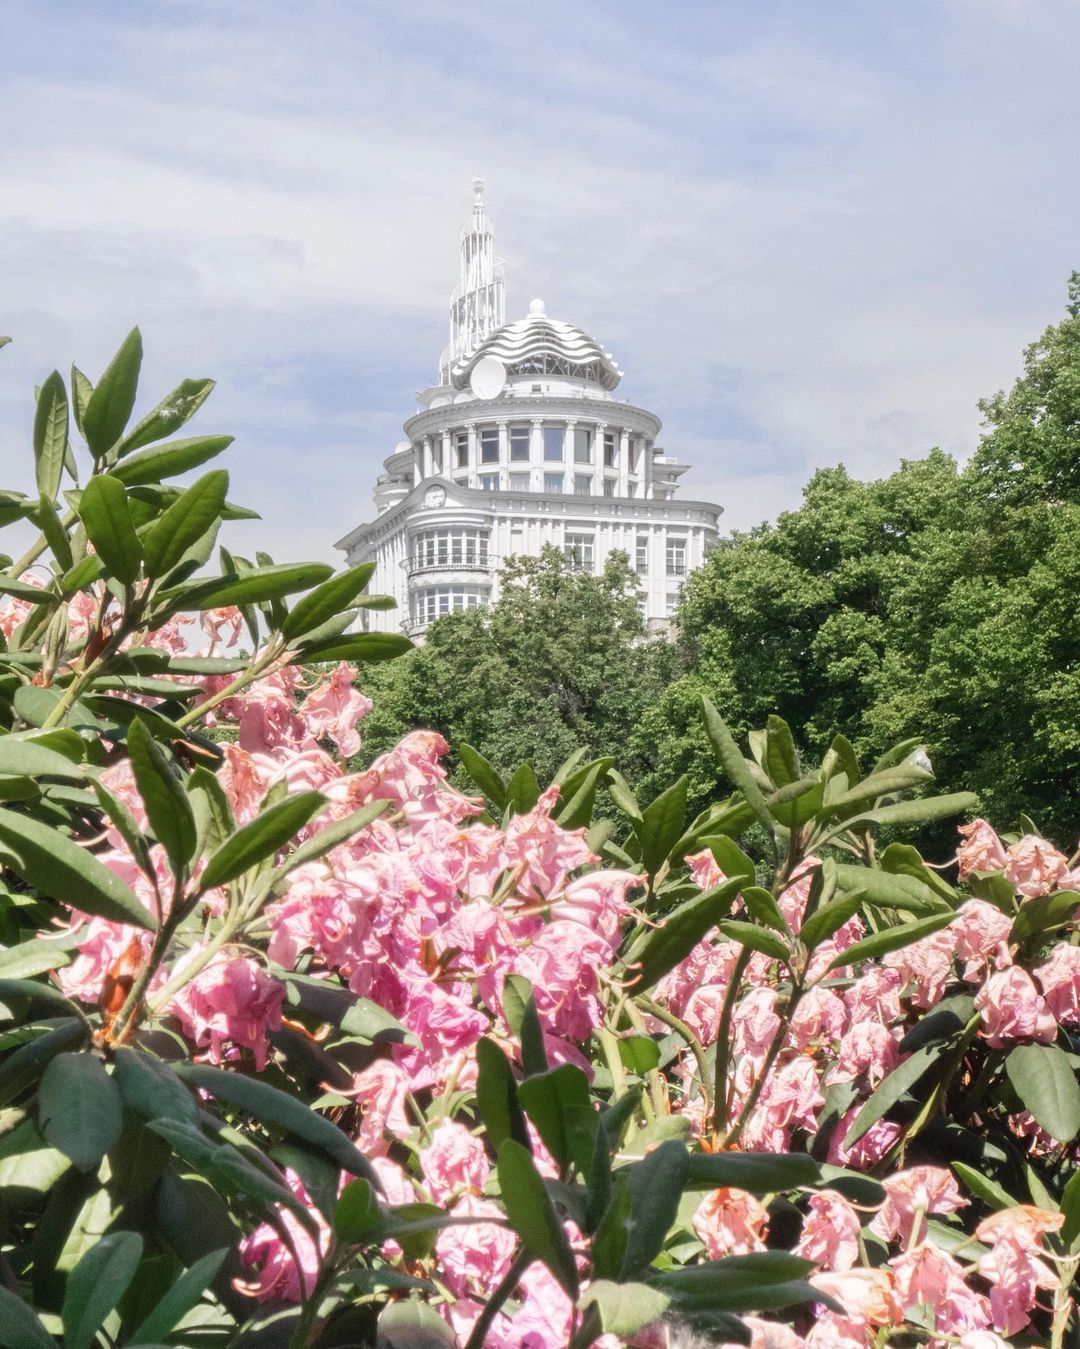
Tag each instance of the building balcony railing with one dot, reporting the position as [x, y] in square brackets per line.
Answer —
[415, 566]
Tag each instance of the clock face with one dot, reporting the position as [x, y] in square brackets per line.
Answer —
[434, 497]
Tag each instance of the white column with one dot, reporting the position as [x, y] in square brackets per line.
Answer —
[568, 457]
[447, 451]
[425, 452]
[536, 455]
[624, 461]
[474, 452]
[504, 456]
[647, 466]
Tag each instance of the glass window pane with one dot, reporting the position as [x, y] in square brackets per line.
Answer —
[582, 445]
[553, 442]
[519, 443]
[553, 482]
[582, 484]
[609, 449]
[609, 487]
[519, 482]
[489, 445]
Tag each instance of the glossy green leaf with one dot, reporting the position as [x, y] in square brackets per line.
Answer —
[891, 1089]
[985, 1189]
[20, 1326]
[1070, 1206]
[79, 1108]
[1044, 1079]
[906, 894]
[519, 1008]
[661, 948]
[50, 435]
[557, 1101]
[97, 1284]
[169, 415]
[734, 765]
[185, 522]
[263, 837]
[829, 919]
[756, 938]
[661, 826]
[15, 986]
[890, 939]
[271, 1106]
[24, 758]
[326, 601]
[168, 807]
[781, 761]
[255, 585]
[763, 1281]
[730, 858]
[497, 1096]
[484, 775]
[358, 1217]
[150, 1088]
[110, 404]
[58, 867]
[639, 1053]
[361, 646]
[103, 509]
[523, 789]
[656, 1187]
[759, 1173]
[624, 1308]
[182, 1297]
[532, 1215]
[414, 1325]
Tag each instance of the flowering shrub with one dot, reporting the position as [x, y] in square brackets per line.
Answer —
[293, 1056]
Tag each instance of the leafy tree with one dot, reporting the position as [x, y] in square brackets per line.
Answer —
[562, 660]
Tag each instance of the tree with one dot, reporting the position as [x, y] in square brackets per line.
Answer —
[561, 661]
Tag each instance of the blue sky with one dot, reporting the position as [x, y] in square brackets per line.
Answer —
[809, 233]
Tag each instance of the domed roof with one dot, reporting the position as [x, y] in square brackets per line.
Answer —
[539, 345]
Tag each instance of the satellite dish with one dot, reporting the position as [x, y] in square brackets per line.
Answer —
[488, 377]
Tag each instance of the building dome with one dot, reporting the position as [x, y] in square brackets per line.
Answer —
[539, 345]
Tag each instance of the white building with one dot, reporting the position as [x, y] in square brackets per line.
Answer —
[522, 443]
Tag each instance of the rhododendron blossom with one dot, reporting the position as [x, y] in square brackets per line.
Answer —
[731, 1222]
[1011, 1007]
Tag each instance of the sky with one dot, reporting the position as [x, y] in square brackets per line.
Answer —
[811, 234]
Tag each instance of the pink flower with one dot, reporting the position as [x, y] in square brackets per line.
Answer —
[981, 933]
[929, 1278]
[562, 964]
[474, 1258]
[454, 1160]
[790, 1100]
[1034, 866]
[909, 1196]
[867, 1053]
[279, 1275]
[230, 1005]
[1012, 1008]
[105, 946]
[981, 849]
[1059, 979]
[830, 1232]
[597, 901]
[703, 869]
[1012, 1265]
[380, 1092]
[795, 895]
[869, 1149]
[867, 1296]
[927, 963]
[731, 1222]
[333, 708]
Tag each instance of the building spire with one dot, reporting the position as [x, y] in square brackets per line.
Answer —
[478, 304]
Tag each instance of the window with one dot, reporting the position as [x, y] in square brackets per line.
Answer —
[609, 449]
[553, 444]
[489, 482]
[553, 482]
[578, 551]
[461, 444]
[435, 601]
[582, 445]
[519, 482]
[609, 487]
[676, 557]
[583, 484]
[454, 547]
[436, 456]
[489, 445]
[672, 603]
[519, 444]
[641, 555]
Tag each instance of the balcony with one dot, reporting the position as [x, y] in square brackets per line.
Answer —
[422, 563]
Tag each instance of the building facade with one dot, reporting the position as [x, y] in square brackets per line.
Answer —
[520, 444]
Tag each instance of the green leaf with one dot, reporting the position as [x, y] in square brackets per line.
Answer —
[59, 868]
[781, 761]
[656, 1188]
[661, 825]
[523, 789]
[484, 775]
[50, 435]
[661, 948]
[168, 807]
[764, 909]
[262, 838]
[96, 1285]
[890, 1090]
[20, 1327]
[1043, 1078]
[38, 955]
[877, 785]
[79, 1108]
[907, 894]
[1070, 1206]
[103, 509]
[497, 1096]
[413, 1325]
[109, 406]
[763, 1281]
[1041, 914]
[831, 918]
[557, 1101]
[367, 1021]
[185, 522]
[361, 646]
[274, 1107]
[24, 758]
[891, 939]
[734, 765]
[982, 1187]
[169, 415]
[922, 811]
[639, 1053]
[532, 1215]
[357, 1215]
[730, 858]
[624, 1308]
[326, 601]
[759, 1173]
[519, 1008]
[756, 938]
[81, 389]
[185, 1294]
[944, 1021]
[45, 517]
[166, 461]
[22, 1068]
[12, 986]
[150, 1088]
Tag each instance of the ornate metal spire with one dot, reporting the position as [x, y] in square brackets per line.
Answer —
[478, 304]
